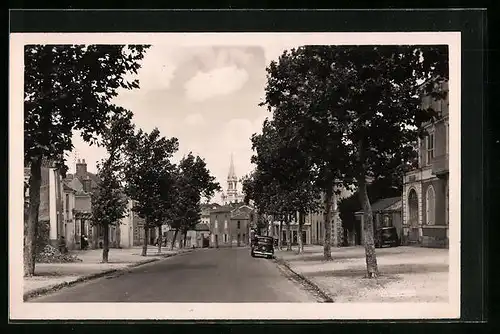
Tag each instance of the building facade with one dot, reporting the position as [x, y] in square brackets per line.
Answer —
[294, 232]
[425, 189]
[50, 211]
[126, 228]
[230, 225]
[317, 220]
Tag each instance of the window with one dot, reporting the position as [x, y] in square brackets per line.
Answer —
[225, 224]
[386, 221]
[239, 225]
[216, 224]
[430, 206]
[430, 147]
[225, 237]
[413, 208]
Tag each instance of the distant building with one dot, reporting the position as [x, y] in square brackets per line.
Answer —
[230, 225]
[317, 220]
[426, 188]
[138, 233]
[126, 228]
[232, 194]
[387, 212]
[294, 231]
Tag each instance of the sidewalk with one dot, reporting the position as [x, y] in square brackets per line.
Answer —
[407, 274]
[52, 276]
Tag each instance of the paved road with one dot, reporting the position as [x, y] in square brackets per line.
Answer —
[208, 275]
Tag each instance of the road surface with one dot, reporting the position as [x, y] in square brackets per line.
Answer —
[227, 275]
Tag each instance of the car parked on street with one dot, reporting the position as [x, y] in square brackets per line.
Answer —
[262, 246]
[387, 236]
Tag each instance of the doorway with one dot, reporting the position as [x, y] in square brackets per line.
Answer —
[413, 233]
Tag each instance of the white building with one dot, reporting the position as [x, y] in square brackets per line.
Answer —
[232, 194]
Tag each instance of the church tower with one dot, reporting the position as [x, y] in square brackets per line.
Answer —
[231, 195]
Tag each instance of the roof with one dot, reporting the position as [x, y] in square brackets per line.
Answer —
[210, 205]
[67, 187]
[201, 227]
[223, 208]
[383, 204]
[93, 177]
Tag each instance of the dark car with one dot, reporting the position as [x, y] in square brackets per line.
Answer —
[386, 236]
[263, 246]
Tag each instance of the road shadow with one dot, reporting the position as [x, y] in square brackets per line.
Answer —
[391, 270]
[344, 256]
[174, 266]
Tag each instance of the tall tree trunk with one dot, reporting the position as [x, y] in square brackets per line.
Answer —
[118, 236]
[105, 244]
[160, 237]
[299, 232]
[371, 258]
[35, 182]
[280, 235]
[327, 248]
[335, 227]
[146, 240]
[185, 238]
[174, 238]
[288, 234]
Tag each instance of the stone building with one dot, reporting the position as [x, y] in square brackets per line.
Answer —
[294, 231]
[230, 225]
[425, 189]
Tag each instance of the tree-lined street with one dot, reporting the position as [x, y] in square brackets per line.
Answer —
[339, 118]
[227, 275]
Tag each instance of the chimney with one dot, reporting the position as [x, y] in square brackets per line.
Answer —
[81, 169]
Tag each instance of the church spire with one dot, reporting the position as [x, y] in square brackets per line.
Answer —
[232, 173]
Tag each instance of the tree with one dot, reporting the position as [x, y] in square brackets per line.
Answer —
[287, 170]
[380, 188]
[109, 203]
[67, 88]
[148, 177]
[378, 107]
[193, 182]
[293, 91]
[364, 105]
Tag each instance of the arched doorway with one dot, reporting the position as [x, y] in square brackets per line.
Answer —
[413, 216]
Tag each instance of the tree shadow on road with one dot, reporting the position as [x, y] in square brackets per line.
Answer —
[385, 270]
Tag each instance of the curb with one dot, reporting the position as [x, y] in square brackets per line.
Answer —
[53, 288]
[327, 298]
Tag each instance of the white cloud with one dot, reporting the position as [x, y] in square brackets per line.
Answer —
[194, 119]
[220, 81]
[239, 56]
[156, 72]
[158, 69]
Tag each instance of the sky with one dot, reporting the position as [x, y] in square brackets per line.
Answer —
[206, 96]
